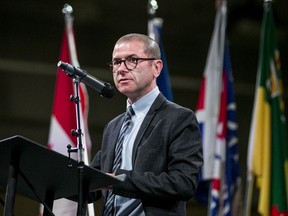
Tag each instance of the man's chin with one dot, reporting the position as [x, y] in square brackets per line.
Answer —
[124, 89]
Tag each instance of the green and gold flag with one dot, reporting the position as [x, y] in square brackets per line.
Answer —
[267, 154]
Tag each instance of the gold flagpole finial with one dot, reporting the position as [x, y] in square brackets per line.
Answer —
[152, 7]
[67, 9]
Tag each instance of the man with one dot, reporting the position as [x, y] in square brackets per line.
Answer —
[160, 151]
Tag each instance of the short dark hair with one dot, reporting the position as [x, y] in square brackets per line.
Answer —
[152, 49]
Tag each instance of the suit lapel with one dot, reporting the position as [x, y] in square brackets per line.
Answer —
[113, 141]
[146, 123]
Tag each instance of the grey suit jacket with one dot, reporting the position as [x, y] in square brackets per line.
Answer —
[167, 156]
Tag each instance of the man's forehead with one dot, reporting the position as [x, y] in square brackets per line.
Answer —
[128, 48]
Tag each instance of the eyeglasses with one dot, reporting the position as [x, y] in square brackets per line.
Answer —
[130, 63]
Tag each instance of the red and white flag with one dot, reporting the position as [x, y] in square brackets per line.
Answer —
[208, 106]
[216, 112]
[63, 117]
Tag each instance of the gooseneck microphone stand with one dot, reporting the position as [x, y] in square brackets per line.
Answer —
[82, 202]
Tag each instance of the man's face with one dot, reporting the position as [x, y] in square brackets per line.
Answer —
[139, 81]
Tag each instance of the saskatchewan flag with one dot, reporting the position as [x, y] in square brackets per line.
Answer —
[267, 153]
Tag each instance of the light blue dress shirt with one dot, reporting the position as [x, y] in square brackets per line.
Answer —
[141, 108]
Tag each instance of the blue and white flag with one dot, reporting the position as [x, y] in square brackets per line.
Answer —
[163, 81]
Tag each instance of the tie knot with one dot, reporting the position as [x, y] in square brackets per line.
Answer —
[130, 111]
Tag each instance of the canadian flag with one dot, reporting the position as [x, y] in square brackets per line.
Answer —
[63, 118]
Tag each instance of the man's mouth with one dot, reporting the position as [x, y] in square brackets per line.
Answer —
[123, 80]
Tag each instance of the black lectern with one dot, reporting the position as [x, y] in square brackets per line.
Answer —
[41, 174]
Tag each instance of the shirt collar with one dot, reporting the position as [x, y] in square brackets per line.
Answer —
[144, 103]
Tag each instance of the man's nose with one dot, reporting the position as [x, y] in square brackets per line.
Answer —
[122, 67]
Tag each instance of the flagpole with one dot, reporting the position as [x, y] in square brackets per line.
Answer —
[218, 4]
[221, 8]
[250, 175]
[152, 7]
[249, 194]
[67, 11]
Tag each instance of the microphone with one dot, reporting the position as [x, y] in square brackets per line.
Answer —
[104, 88]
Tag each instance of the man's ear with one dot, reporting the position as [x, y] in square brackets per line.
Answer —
[158, 67]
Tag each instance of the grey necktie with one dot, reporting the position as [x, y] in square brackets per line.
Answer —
[109, 205]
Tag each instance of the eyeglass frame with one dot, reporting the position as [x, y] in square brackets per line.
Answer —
[119, 62]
